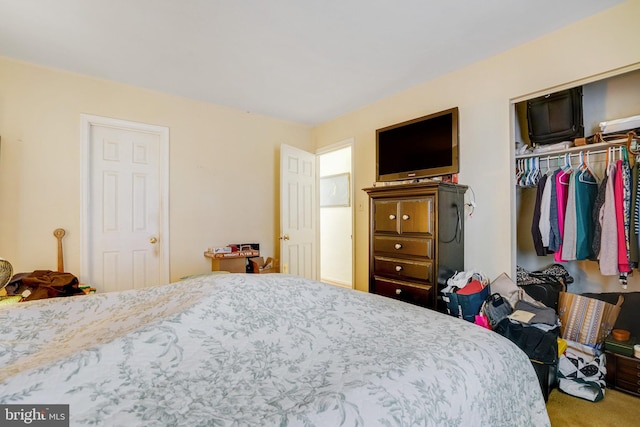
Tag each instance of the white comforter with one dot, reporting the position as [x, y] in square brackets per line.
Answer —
[242, 349]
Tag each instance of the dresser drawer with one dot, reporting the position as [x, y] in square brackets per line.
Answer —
[417, 216]
[405, 216]
[403, 291]
[628, 364]
[386, 215]
[403, 268]
[403, 246]
[631, 387]
[628, 370]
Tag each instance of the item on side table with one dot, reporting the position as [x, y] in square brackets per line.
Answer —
[624, 347]
[586, 320]
[620, 334]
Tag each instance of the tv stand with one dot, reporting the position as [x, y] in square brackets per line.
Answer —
[416, 239]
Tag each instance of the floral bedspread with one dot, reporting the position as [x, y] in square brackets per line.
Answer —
[261, 350]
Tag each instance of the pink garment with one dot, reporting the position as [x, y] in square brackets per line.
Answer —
[609, 238]
[562, 193]
[623, 261]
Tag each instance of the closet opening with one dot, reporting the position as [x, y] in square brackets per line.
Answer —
[582, 168]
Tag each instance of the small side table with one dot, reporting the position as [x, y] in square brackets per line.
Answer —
[233, 262]
[623, 373]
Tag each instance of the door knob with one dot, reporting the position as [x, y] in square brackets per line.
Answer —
[153, 240]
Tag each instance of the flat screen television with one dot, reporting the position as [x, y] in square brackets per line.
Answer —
[420, 148]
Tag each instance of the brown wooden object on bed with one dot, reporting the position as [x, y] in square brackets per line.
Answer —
[59, 233]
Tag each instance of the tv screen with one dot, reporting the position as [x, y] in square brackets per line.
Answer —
[419, 148]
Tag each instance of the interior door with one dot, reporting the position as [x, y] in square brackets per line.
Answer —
[125, 232]
[298, 212]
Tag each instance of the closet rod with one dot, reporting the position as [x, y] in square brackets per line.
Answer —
[602, 146]
[550, 157]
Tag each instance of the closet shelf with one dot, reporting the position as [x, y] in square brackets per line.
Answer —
[588, 147]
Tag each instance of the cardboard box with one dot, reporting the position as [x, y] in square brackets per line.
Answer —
[260, 266]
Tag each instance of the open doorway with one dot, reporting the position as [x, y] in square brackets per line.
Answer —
[335, 172]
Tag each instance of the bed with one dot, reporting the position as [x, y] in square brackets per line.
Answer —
[272, 349]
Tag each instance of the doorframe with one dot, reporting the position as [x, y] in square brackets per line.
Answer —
[349, 142]
[86, 122]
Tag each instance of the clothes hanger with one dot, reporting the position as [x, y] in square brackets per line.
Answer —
[586, 169]
[519, 171]
[536, 171]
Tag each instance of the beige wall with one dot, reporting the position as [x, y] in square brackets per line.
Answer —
[224, 166]
[483, 92]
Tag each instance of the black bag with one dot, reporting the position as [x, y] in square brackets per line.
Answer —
[556, 117]
[545, 285]
[541, 346]
[546, 293]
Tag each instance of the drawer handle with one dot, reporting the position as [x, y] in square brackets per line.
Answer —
[398, 246]
[405, 217]
[398, 268]
[392, 216]
[398, 291]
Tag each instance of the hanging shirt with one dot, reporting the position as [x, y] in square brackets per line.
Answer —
[562, 192]
[596, 216]
[569, 236]
[609, 236]
[554, 230]
[535, 223]
[545, 205]
[622, 221]
[633, 227]
[586, 193]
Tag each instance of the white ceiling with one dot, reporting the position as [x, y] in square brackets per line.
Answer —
[301, 60]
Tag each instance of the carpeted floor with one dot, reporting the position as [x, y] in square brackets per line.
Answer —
[617, 409]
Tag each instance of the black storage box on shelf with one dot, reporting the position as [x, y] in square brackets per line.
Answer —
[556, 117]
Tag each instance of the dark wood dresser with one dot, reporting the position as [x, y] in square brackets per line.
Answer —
[416, 239]
[623, 373]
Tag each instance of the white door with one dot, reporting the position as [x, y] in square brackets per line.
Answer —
[297, 212]
[125, 215]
